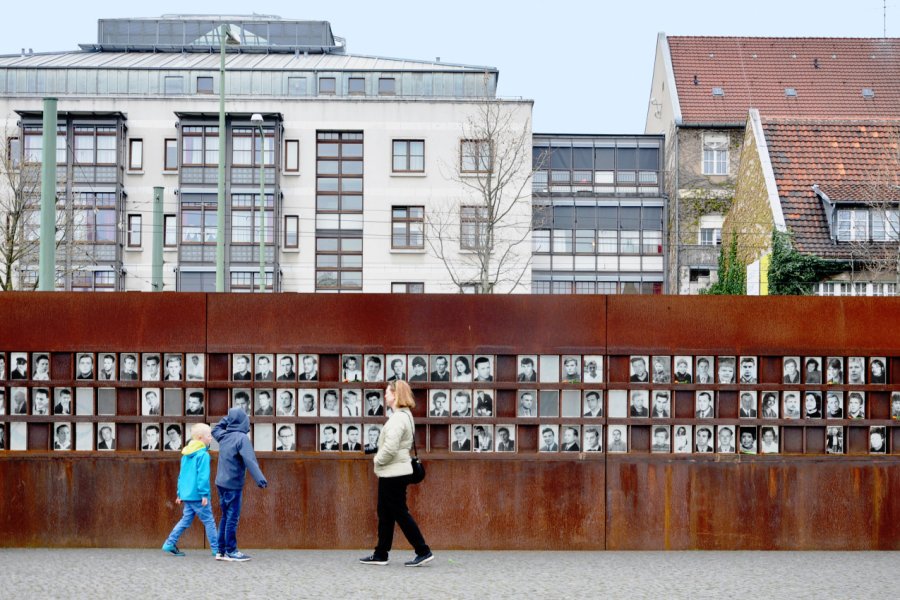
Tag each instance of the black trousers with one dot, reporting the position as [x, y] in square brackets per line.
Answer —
[392, 509]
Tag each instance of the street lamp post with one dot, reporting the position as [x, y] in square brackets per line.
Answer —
[257, 118]
[225, 37]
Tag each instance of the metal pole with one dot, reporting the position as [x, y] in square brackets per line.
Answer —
[157, 269]
[220, 209]
[262, 209]
[47, 257]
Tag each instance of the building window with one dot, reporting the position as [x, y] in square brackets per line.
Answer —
[200, 146]
[861, 224]
[408, 227]
[291, 231]
[356, 86]
[339, 263]
[245, 219]
[205, 85]
[407, 288]
[248, 281]
[475, 156]
[715, 154]
[540, 241]
[95, 217]
[327, 85]
[291, 156]
[170, 160]
[652, 242]
[174, 85]
[170, 231]
[246, 147]
[630, 242]
[710, 236]
[607, 287]
[34, 145]
[297, 86]
[13, 152]
[585, 242]
[134, 231]
[409, 156]
[199, 220]
[884, 289]
[93, 281]
[95, 145]
[607, 241]
[473, 227]
[387, 86]
[135, 154]
[562, 241]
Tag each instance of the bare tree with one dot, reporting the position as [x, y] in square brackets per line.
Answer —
[483, 237]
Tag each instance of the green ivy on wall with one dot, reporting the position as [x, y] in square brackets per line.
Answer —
[732, 273]
[792, 273]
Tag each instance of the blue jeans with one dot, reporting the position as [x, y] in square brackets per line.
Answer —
[230, 504]
[194, 508]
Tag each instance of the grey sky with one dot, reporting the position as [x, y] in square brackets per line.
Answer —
[587, 65]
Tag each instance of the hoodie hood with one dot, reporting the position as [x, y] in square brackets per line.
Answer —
[237, 421]
[192, 447]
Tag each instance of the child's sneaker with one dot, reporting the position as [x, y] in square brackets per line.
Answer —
[172, 549]
[237, 556]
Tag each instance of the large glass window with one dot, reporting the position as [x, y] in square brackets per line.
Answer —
[199, 220]
[246, 146]
[34, 145]
[409, 156]
[95, 217]
[200, 146]
[475, 156]
[245, 219]
[408, 227]
[339, 263]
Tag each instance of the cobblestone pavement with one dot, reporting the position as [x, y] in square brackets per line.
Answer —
[117, 573]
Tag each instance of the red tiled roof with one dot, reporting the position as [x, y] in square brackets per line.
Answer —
[828, 74]
[848, 160]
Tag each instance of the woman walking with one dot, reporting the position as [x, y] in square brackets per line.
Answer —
[392, 467]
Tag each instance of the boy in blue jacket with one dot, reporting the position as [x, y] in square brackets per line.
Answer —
[236, 456]
[193, 490]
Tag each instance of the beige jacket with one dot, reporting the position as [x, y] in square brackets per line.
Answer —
[394, 443]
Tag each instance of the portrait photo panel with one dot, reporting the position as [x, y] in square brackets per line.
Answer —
[307, 403]
[462, 368]
[484, 438]
[151, 366]
[396, 368]
[684, 370]
[174, 365]
[374, 402]
[593, 438]
[438, 403]
[617, 440]
[527, 365]
[374, 368]
[704, 442]
[682, 441]
[461, 434]
[287, 367]
[593, 368]
[351, 368]
[106, 436]
[284, 403]
[703, 373]
[549, 440]
[352, 436]
[240, 398]
[440, 368]
[593, 403]
[662, 369]
[527, 404]
[483, 368]
[329, 437]
[41, 362]
[195, 367]
[129, 366]
[571, 369]
[506, 438]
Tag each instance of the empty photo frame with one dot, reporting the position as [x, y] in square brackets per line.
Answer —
[618, 404]
[548, 368]
[570, 401]
[548, 403]
[173, 402]
[84, 401]
[263, 437]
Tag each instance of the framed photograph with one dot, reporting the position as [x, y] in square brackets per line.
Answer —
[726, 369]
[41, 362]
[812, 370]
[527, 405]
[639, 372]
[527, 368]
[285, 438]
[704, 439]
[895, 406]
[151, 402]
[437, 403]
[18, 401]
[351, 436]
[878, 370]
[462, 368]
[372, 434]
[263, 405]
[174, 367]
[307, 405]
[483, 368]
[593, 403]
[684, 372]
[812, 404]
[878, 442]
[374, 368]
[328, 438]
[593, 368]
[834, 440]
[285, 403]
[548, 368]
[174, 439]
[375, 403]
[130, 366]
[662, 406]
[462, 438]
[768, 439]
[195, 403]
[264, 370]
[834, 370]
[351, 365]
[3, 444]
[106, 436]
[748, 370]
[571, 438]
[84, 401]
[726, 439]
[593, 438]
[351, 403]
[748, 405]
[506, 438]
[40, 401]
[484, 403]
[834, 405]
[330, 406]
[310, 365]
[662, 369]
[2, 401]
[462, 403]
[484, 438]
[240, 398]
[548, 403]
[769, 405]
[704, 371]
[287, 369]
[662, 442]
[571, 369]
[107, 369]
[62, 436]
[240, 367]
[84, 366]
[856, 370]
[704, 404]
[856, 405]
[683, 442]
[440, 368]
[396, 367]
[150, 437]
[617, 440]
[18, 366]
[3, 370]
[418, 368]
[549, 438]
[196, 366]
[791, 404]
[748, 439]
[150, 362]
[262, 437]
[638, 404]
[790, 370]
[62, 403]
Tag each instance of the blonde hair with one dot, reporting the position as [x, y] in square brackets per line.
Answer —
[198, 430]
[403, 394]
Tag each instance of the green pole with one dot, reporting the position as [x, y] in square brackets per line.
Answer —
[157, 269]
[220, 209]
[262, 210]
[47, 269]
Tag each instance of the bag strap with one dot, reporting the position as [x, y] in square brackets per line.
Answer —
[415, 451]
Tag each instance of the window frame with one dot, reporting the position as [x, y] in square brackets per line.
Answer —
[134, 231]
[393, 86]
[132, 144]
[326, 92]
[351, 81]
[290, 167]
[473, 160]
[407, 222]
[715, 163]
[473, 216]
[404, 287]
[212, 85]
[170, 225]
[406, 156]
[291, 221]
[166, 166]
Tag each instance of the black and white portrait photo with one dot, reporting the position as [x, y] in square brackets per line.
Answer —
[330, 407]
[484, 403]
[40, 401]
[682, 441]
[41, 362]
[241, 367]
[704, 439]
[638, 403]
[571, 438]
[151, 370]
[484, 438]
[2, 401]
[571, 369]
[748, 370]
[438, 403]
[661, 439]
[462, 368]
[396, 367]
[264, 368]
[351, 403]
[684, 372]
[526, 368]
[549, 441]
[3, 370]
[18, 366]
[527, 405]
[62, 436]
[877, 370]
[287, 368]
[483, 368]
[662, 406]
[812, 404]
[107, 369]
[84, 366]
[791, 404]
[726, 369]
[264, 404]
[895, 406]
[593, 403]
[593, 368]
[372, 434]
[462, 403]
[284, 404]
[593, 438]
[747, 444]
[639, 371]
[307, 405]
[834, 405]
[418, 368]
[240, 398]
[151, 405]
[352, 435]
[856, 405]
[878, 443]
[173, 440]
[726, 439]
[812, 370]
[374, 368]
[174, 367]
[150, 438]
[310, 365]
[769, 405]
[662, 369]
[834, 370]
[62, 403]
[768, 439]
[328, 438]
[18, 401]
[834, 440]
[130, 366]
[196, 367]
[790, 370]
[506, 438]
[856, 370]
[351, 368]
[462, 438]
[284, 438]
[440, 368]
[374, 403]
[747, 408]
[194, 405]
[106, 436]
[704, 371]
[617, 440]
[704, 404]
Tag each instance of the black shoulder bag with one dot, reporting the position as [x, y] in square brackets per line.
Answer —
[418, 469]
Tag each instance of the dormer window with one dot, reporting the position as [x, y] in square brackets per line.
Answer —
[865, 224]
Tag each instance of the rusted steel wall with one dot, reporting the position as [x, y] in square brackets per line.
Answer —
[797, 499]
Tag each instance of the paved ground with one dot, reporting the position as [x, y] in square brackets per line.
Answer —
[104, 573]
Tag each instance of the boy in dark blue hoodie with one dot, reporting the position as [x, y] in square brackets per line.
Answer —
[236, 456]
[193, 490]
